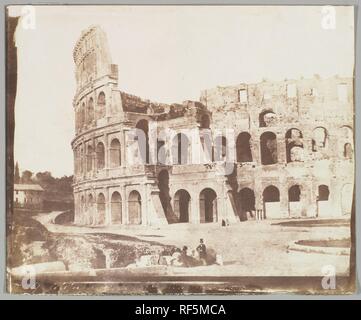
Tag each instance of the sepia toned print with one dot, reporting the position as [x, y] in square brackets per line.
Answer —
[247, 189]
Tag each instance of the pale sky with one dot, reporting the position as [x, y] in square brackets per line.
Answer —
[166, 54]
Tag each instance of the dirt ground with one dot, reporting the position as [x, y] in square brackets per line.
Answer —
[251, 248]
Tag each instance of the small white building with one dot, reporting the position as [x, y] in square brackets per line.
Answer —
[28, 196]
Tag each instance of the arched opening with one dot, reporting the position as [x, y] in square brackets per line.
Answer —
[294, 201]
[81, 169]
[243, 147]
[115, 154]
[182, 205]
[180, 149]
[82, 115]
[268, 148]
[100, 156]
[208, 206]
[135, 208]
[294, 145]
[101, 105]
[142, 136]
[90, 209]
[346, 141]
[271, 202]
[163, 185]
[220, 148]
[323, 193]
[89, 159]
[116, 208]
[90, 111]
[101, 209]
[161, 152]
[319, 139]
[294, 193]
[323, 207]
[347, 151]
[247, 202]
[267, 118]
[205, 121]
[205, 136]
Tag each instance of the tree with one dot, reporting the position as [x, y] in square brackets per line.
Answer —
[26, 177]
[17, 173]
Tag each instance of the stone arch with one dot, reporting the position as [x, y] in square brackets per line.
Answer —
[247, 202]
[319, 139]
[81, 165]
[267, 118]
[101, 101]
[268, 148]
[271, 202]
[142, 136]
[208, 205]
[89, 159]
[324, 208]
[90, 111]
[116, 208]
[323, 193]
[347, 151]
[205, 136]
[180, 149]
[271, 194]
[100, 151]
[294, 193]
[220, 148]
[82, 115]
[101, 209]
[294, 145]
[135, 208]
[243, 147]
[182, 205]
[115, 153]
[90, 208]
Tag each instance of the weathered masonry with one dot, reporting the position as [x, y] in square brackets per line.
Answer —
[288, 144]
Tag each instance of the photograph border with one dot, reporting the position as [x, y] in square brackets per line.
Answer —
[231, 286]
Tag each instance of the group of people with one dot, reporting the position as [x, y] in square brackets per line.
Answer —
[184, 258]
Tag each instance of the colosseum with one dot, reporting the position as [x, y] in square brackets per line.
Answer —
[270, 150]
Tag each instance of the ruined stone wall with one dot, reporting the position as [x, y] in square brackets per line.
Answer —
[288, 147]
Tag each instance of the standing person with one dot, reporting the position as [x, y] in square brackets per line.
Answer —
[184, 256]
[202, 252]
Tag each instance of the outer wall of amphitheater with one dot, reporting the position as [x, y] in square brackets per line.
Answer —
[287, 147]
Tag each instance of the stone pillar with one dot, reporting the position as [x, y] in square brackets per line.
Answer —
[108, 217]
[106, 151]
[108, 102]
[281, 148]
[145, 203]
[283, 189]
[256, 148]
[306, 201]
[125, 219]
[194, 212]
[83, 159]
[195, 148]
[307, 144]
[93, 159]
[312, 210]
